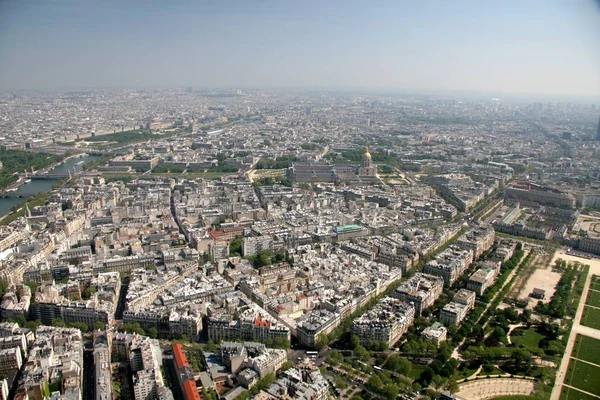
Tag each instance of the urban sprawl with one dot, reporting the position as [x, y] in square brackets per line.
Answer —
[288, 245]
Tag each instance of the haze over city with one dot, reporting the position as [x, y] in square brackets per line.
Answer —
[528, 47]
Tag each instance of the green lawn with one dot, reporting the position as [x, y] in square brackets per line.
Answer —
[587, 348]
[466, 372]
[593, 298]
[528, 338]
[572, 394]
[583, 376]
[494, 371]
[591, 317]
[416, 370]
[595, 284]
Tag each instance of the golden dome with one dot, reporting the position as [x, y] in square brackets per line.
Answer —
[367, 154]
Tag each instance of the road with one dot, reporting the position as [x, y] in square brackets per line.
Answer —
[577, 327]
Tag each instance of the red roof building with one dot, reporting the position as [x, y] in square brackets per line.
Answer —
[190, 392]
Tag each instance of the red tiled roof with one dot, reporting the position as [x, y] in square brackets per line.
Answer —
[190, 392]
[180, 358]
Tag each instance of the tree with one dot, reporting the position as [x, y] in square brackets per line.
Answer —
[210, 347]
[3, 287]
[281, 343]
[88, 292]
[354, 341]
[436, 366]
[59, 323]
[235, 247]
[374, 383]
[521, 358]
[33, 286]
[398, 364]
[134, 328]
[477, 333]
[526, 315]
[82, 326]
[362, 353]
[498, 335]
[153, 332]
[67, 205]
[99, 325]
[452, 386]
[390, 391]
[433, 394]
[426, 376]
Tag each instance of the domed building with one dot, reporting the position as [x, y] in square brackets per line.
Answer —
[334, 173]
[368, 168]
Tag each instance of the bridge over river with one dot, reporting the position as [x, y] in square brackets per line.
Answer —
[46, 177]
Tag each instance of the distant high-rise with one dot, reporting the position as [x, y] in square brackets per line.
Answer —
[598, 133]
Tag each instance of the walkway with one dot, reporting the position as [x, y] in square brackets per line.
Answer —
[487, 388]
[512, 328]
[577, 327]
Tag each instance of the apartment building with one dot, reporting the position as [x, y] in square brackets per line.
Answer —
[422, 290]
[386, 322]
[456, 311]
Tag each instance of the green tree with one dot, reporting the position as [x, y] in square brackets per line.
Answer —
[374, 383]
[88, 292]
[82, 326]
[134, 328]
[59, 323]
[99, 325]
[521, 359]
[362, 353]
[426, 376]
[452, 386]
[235, 247]
[211, 347]
[153, 332]
[33, 325]
[390, 391]
[398, 364]
[354, 341]
[3, 287]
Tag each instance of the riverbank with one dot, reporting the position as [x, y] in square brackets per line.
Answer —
[18, 163]
[35, 187]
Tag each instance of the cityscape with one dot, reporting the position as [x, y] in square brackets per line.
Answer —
[238, 242]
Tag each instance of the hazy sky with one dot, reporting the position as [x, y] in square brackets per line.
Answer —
[522, 46]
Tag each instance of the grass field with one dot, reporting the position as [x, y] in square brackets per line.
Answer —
[591, 317]
[595, 283]
[572, 394]
[528, 338]
[587, 348]
[583, 376]
[416, 370]
[593, 298]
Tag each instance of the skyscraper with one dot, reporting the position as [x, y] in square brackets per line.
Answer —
[598, 133]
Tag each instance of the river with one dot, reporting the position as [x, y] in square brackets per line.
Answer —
[39, 186]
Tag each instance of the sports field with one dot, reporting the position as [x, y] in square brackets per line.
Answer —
[591, 317]
[572, 394]
[587, 348]
[583, 376]
[593, 298]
